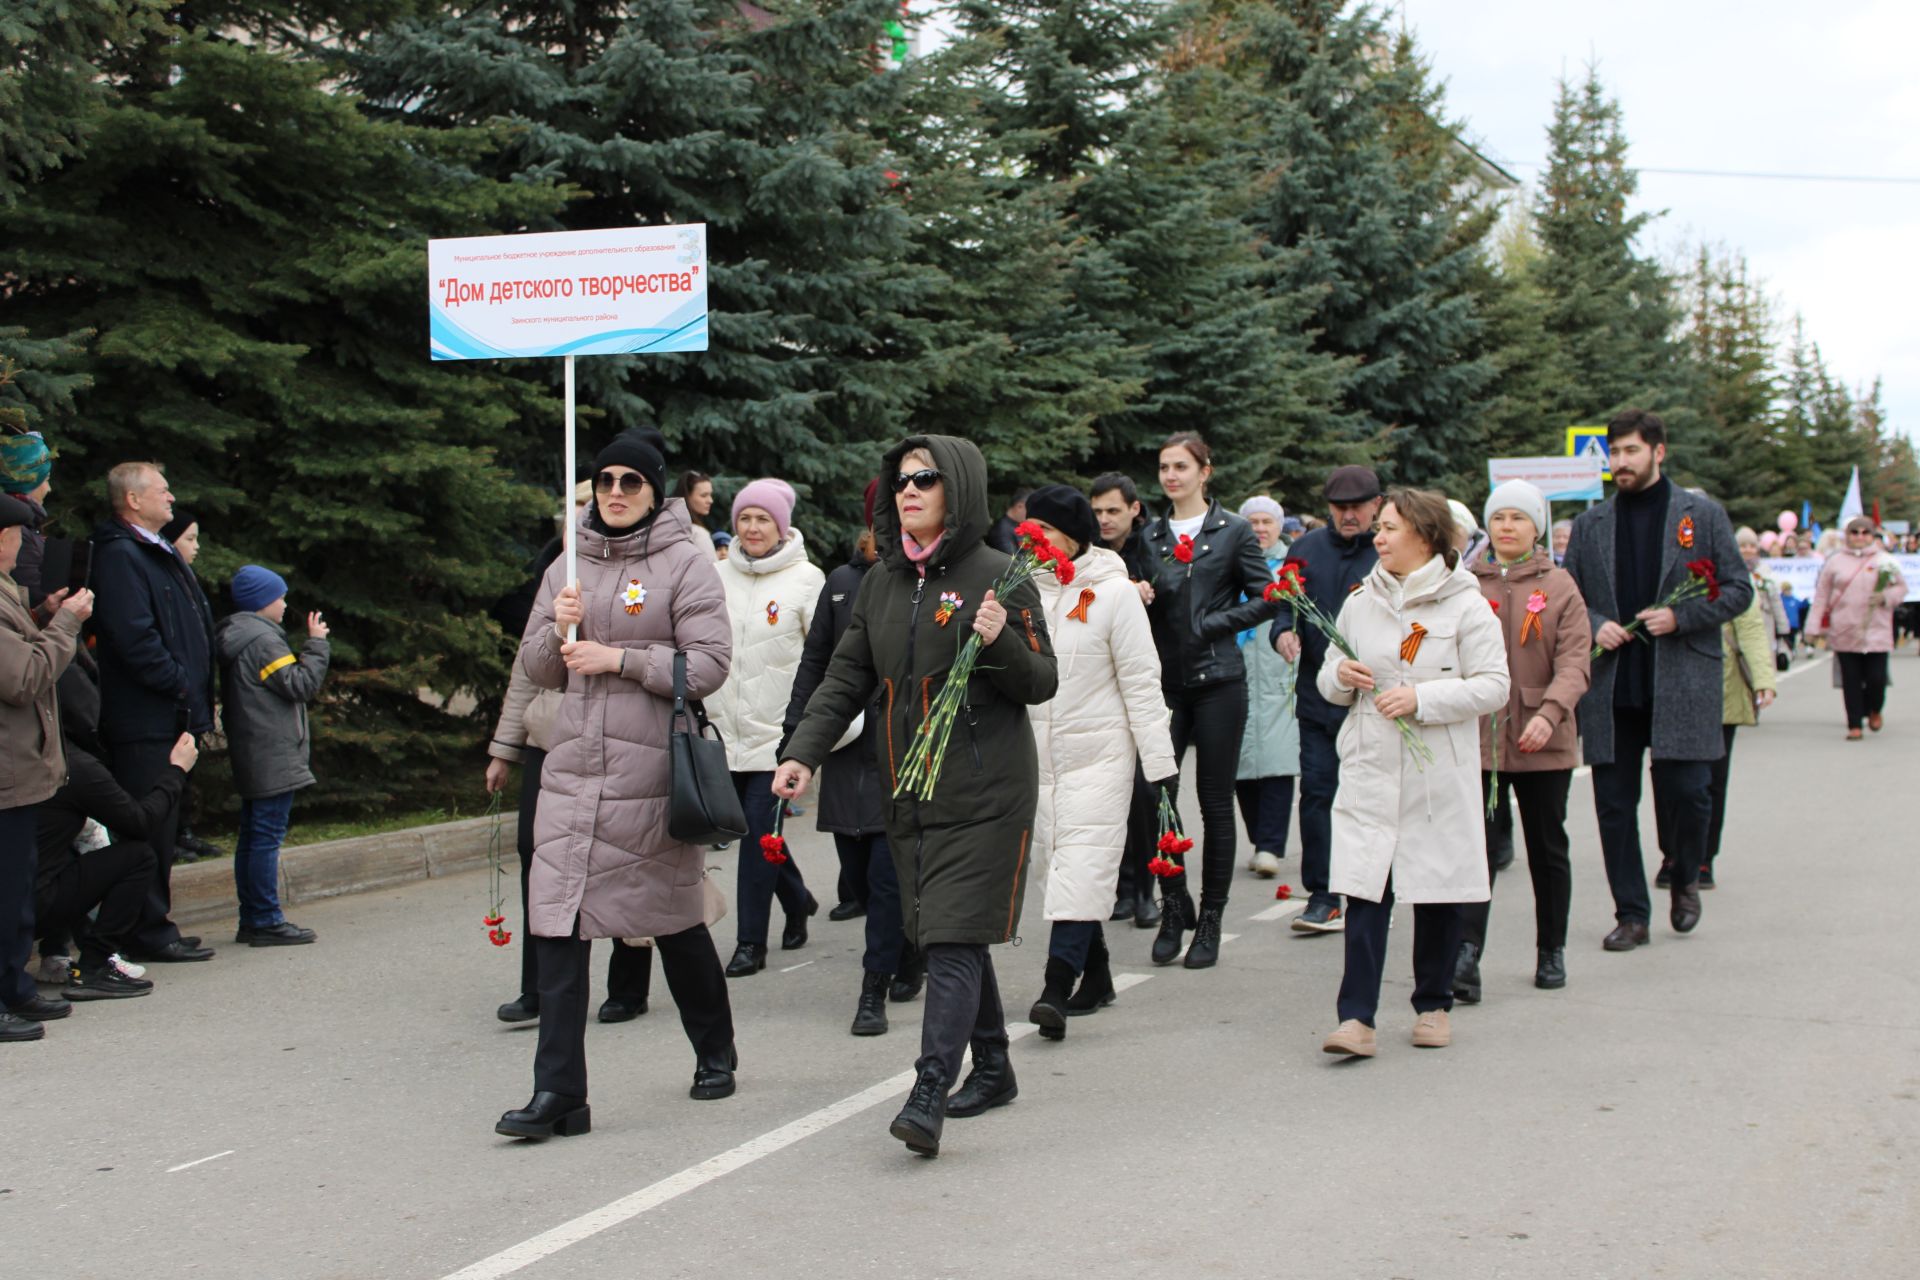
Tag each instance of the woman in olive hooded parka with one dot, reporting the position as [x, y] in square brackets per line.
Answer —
[961, 855]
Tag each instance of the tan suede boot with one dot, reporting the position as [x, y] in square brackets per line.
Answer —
[1352, 1037]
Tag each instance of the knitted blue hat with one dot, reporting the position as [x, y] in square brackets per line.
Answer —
[255, 588]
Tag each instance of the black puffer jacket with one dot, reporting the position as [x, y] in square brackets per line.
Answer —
[962, 855]
[853, 799]
[1200, 608]
[156, 640]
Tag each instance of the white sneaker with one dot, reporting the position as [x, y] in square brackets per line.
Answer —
[127, 967]
[55, 971]
[1264, 864]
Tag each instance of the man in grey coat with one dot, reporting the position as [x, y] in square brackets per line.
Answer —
[1658, 687]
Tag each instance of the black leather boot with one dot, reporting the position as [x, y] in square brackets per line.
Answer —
[713, 1075]
[1096, 984]
[549, 1115]
[912, 976]
[794, 936]
[1049, 1012]
[988, 1085]
[870, 1019]
[1204, 953]
[523, 1008]
[1176, 916]
[1466, 974]
[1550, 973]
[921, 1120]
[1146, 912]
[612, 1010]
[748, 958]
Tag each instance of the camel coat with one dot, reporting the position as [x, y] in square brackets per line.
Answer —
[1549, 672]
[1391, 817]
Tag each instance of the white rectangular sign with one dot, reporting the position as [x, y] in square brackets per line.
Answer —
[569, 293]
[1804, 571]
[1575, 479]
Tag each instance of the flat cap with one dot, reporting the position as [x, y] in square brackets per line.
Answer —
[1352, 484]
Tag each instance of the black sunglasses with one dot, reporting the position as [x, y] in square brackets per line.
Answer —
[628, 481]
[923, 480]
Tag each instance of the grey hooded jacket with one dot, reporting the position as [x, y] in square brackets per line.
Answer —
[264, 691]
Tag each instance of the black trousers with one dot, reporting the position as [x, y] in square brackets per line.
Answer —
[1722, 770]
[1542, 797]
[1267, 806]
[1436, 941]
[1863, 685]
[1211, 721]
[963, 1007]
[852, 884]
[137, 766]
[1681, 811]
[629, 969]
[19, 855]
[1319, 780]
[694, 976]
[115, 880]
[759, 881]
[886, 930]
[1143, 832]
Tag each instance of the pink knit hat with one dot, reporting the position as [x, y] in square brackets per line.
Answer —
[775, 497]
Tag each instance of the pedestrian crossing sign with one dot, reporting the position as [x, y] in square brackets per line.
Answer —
[1585, 440]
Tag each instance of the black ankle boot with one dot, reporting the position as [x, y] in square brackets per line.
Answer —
[870, 1018]
[988, 1085]
[1049, 1012]
[1176, 916]
[748, 958]
[920, 1121]
[1205, 951]
[713, 1075]
[1466, 974]
[1096, 984]
[549, 1115]
[1550, 973]
[794, 936]
[912, 975]
[523, 1008]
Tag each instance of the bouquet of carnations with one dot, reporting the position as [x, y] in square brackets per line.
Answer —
[928, 751]
[1173, 842]
[773, 845]
[1290, 586]
[496, 918]
[1702, 580]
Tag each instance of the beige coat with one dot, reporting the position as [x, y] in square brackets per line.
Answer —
[32, 763]
[601, 848]
[1391, 817]
[1548, 672]
[1108, 712]
[770, 602]
[526, 719]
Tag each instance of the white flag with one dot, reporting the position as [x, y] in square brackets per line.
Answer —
[1850, 505]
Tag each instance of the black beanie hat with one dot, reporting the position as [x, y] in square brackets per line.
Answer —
[1066, 509]
[181, 522]
[637, 449]
[13, 511]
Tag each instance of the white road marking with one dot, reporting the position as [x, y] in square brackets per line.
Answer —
[790, 968]
[1281, 910]
[202, 1160]
[670, 1188]
[1804, 668]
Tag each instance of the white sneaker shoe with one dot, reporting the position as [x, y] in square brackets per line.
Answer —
[1264, 864]
[127, 967]
[55, 971]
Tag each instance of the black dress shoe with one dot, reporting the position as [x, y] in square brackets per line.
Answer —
[1466, 974]
[18, 1029]
[921, 1120]
[284, 934]
[1204, 951]
[1146, 912]
[176, 952]
[794, 936]
[549, 1115]
[1686, 908]
[912, 976]
[713, 1077]
[1176, 916]
[41, 1009]
[1550, 974]
[523, 1008]
[193, 844]
[191, 939]
[612, 1010]
[748, 958]
[988, 1085]
[870, 1017]
[1626, 935]
[847, 911]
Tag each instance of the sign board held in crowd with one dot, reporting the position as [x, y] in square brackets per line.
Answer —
[561, 294]
[1804, 571]
[1591, 440]
[1570, 479]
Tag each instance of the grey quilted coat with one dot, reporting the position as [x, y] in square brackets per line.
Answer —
[264, 691]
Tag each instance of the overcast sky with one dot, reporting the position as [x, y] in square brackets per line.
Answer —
[1765, 85]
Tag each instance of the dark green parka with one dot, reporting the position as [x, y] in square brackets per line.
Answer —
[962, 856]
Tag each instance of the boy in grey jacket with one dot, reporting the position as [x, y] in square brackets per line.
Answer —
[264, 692]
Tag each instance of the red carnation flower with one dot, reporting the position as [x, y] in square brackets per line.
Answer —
[1495, 604]
[499, 937]
[1273, 592]
[1029, 531]
[774, 849]
[1284, 892]
[1063, 569]
[1183, 549]
[494, 921]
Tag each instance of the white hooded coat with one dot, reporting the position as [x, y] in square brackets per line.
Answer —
[770, 603]
[1108, 712]
[1424, 827]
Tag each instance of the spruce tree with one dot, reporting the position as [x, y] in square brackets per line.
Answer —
[1730, 338]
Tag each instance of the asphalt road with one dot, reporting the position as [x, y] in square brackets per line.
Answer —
[1741, 1102]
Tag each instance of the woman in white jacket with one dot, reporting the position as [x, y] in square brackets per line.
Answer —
[1107, 713]
[772, 589]
[1430, 652]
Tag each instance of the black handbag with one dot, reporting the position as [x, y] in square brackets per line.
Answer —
[704, 808]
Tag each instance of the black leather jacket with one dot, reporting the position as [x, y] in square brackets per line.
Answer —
[1200, 608]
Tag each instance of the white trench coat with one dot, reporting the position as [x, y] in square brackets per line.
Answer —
[1391, 817]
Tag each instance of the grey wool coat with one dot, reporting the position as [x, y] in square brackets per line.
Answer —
[1687, 675]
[601, 851]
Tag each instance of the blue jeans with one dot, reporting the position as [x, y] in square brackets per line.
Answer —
[1319, 781]
[886, 933]
[758, 881]
[256, 859]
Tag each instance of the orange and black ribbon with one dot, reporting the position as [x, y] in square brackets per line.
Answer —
[1410, 647]
[1079, 611]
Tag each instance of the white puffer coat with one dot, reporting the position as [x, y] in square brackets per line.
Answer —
[770, 602]
[1424, 827]
[1108, 711]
